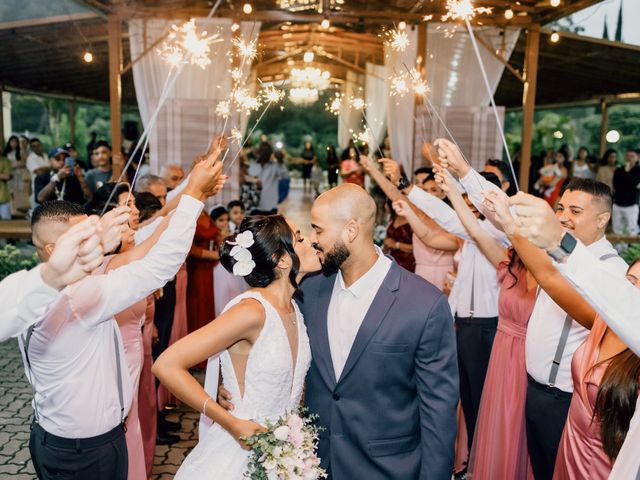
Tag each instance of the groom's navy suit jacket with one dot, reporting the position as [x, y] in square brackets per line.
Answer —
[392, 413]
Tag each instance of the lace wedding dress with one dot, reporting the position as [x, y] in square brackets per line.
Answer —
[273, 386]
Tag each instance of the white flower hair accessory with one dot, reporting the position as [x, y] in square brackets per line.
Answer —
[240, 252]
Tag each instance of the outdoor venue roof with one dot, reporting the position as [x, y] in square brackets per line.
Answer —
[44, 54]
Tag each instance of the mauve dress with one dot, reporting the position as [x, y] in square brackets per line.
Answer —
[130, 322]
[500, 445]
[147, 392]
[431, 264]
[581, 454]
[402, 234]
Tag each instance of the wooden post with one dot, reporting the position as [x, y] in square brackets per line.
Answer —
[529, 102]
[421, 53]
[72, 121]
[604, 125]
[115, 93]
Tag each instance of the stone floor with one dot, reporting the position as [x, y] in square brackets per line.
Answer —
[15, 393]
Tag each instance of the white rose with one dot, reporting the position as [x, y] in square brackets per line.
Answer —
[240, 254]
[281, 433]
[270, 465]
[242, 269]
[245, 239]
[277, 452]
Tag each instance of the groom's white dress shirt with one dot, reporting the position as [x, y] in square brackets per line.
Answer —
[618, 303]
[24, 298]
[72, 351]
[349, 306]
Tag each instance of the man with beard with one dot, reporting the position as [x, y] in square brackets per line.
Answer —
[384, 375]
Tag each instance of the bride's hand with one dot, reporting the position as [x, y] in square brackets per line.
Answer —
[224, 398]
[244, 429]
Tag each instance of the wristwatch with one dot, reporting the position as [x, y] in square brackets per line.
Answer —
[567, 245]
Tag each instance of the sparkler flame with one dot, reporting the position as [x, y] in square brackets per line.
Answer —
[236, 135]
[186, 45]
[245, 101]
[224, 108]
[398, 40]
[246, 50]
[272, 94]
[398, 86]
[335, 105]
[357, 103]
[463, 10]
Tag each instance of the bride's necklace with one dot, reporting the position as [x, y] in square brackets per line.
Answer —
[292, 318]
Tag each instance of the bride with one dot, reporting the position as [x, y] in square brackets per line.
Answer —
[259, 343]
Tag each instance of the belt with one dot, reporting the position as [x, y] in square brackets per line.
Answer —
[477, 320]
[546, 388]
[77, 443]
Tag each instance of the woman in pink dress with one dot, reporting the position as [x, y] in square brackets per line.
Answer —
[499, 448]
[606, 379]
[147, 406]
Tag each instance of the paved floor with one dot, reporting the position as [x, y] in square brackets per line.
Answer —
[15, 394]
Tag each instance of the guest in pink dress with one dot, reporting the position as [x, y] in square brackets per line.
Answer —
[147, 406]
[606, 379]
[500, 446]
[431, 264]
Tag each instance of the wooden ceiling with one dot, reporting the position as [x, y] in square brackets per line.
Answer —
[46, 55]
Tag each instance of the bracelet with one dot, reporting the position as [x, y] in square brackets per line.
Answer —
[204, 407]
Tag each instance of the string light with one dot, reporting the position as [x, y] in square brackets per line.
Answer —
[508, 14]
[555, 3]
[87, 56]
[325, 24]
[402, 25]
[462, 10]
[309, 56]
[235, 27]
[247, 8]
[555, 37]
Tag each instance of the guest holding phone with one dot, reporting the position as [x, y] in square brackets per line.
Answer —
[64, 181]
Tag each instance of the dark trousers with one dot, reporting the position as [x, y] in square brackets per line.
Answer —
[546, 413]
[163, 318]
[474, 339]
[98, 458]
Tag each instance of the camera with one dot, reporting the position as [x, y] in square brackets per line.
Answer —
[71, 163]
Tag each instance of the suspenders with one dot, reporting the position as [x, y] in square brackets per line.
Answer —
[27, 339]
[564, 336]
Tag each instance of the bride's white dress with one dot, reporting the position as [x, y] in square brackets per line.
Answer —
[272, 387]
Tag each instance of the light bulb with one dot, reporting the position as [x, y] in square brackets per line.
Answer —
[88, 56]
[308, 56]
[508, 14]
[325, 23]
[555, 37]
[247, 8]
[402, 25]
[235, 27]
[554, 3]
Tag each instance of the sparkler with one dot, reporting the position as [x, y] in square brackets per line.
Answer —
[246, 50]
[398, 40]
[463, 10]
[398, 86]
[335, 106]
[186, 45]
[237, 136]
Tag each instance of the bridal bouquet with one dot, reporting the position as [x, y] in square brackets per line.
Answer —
[286, 451]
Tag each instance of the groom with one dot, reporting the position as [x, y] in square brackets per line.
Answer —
[384, 375]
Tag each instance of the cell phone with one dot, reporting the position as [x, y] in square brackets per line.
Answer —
[71, 163]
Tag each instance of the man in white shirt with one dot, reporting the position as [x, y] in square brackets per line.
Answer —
[74, 357]
[617, 300]
[473, 299]
[552, 335]
[25, 295]
[37, 161]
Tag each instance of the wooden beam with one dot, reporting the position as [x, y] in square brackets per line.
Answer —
[115, 91]
[144, 52]
[604, 125]
[421, 55]
[528, 102]
[500, 58]
[355, 68]
[565, 10]
[37, 22]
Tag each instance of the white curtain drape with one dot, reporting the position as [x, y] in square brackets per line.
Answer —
[188, 118]
[401, 108]
[453, 72]
[376, 91]
[349, 119]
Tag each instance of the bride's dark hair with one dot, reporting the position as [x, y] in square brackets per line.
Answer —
[273, 239]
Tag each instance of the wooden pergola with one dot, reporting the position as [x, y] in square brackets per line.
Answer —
[352, 40]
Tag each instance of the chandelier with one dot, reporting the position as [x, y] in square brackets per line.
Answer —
[303, 95]
[301, 5]
[307, 83]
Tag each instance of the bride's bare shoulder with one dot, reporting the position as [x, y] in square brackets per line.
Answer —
[249, 311]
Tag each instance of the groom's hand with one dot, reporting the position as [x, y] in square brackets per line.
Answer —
[224, 398]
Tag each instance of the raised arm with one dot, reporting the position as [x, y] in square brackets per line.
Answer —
[539, 264]
[436, 371]
[490, 247]
[241, 323]
[427, 231]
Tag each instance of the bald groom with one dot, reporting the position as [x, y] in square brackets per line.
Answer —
[384, 376]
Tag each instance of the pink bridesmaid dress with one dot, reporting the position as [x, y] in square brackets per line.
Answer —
[431, 264]
[179, 329]
[500, 445]
[581, 454]
[147, 405]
